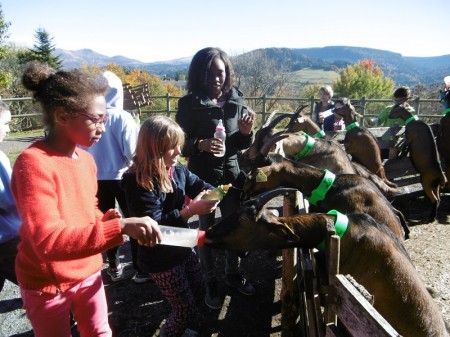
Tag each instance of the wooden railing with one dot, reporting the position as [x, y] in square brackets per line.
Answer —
[428, 109]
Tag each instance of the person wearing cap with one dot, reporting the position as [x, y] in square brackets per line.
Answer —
[401, 96]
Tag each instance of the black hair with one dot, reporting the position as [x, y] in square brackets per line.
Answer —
[71, 90]
[200, 64]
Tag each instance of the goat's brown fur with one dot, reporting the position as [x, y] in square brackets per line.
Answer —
[424, 156]
[361, 144]
[369, 252]
[348, 194]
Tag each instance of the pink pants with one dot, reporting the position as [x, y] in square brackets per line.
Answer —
[49, 314]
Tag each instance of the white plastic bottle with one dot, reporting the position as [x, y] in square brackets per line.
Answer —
[220, 133]
[181, 237]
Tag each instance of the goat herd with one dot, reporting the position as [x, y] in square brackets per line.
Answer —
[372, 230]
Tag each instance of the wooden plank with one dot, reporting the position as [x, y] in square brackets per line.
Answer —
[357, 315]
[289, 291]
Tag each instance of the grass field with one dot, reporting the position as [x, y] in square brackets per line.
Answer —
[304, 77]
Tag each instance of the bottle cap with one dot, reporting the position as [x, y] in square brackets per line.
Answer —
[220, 126]
[201, 238]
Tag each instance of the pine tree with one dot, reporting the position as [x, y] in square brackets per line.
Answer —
[43, 49]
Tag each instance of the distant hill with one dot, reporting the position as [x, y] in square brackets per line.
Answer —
[76, 58]
[403, 70]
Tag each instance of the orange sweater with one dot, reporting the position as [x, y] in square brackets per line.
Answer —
[62, 234]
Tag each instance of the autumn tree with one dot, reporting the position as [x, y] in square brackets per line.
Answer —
[363, 79]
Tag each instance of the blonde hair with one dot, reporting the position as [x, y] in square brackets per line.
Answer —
[327, 89]
[157, 135]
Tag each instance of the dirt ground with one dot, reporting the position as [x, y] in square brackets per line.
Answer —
[139, 309]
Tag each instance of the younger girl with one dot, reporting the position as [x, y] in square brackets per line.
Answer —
[156, 186]
[63, 232]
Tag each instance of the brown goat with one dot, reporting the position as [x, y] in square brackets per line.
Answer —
[423, 154]
[359, 142]
[325, 154]
[348, 193]
[369, 252]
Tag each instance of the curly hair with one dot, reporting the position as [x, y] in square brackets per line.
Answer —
[71, 90]
[201, 63]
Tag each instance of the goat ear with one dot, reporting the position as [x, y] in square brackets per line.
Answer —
[301, 119]
[282, 230]
[278, 229]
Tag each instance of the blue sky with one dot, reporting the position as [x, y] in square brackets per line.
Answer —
[152, 31]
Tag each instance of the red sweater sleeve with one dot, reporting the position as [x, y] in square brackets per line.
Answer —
[61, 224]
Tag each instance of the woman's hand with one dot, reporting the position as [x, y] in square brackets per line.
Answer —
[111, 213]
[245, 123]
[212, 145]
[145, 230]
[200, 206]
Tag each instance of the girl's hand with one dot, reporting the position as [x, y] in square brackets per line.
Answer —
[200, 206]
[145, 230]
[110, 214]
[245, 123]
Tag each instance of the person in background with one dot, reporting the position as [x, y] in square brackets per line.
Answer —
[212, 97]
[443, 92]
[322, 109]
[112, 155]
[401, 96]
[9, 216]
[156, 186]
[63, 233]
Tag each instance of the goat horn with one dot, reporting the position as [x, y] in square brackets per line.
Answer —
[261, 199]
[272, 114]
[277, 120]
[265, 149]
[295, 116]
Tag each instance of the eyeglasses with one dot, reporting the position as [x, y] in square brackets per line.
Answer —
[97, 120]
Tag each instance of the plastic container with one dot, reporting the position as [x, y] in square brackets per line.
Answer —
[181, 237]
[220, 133]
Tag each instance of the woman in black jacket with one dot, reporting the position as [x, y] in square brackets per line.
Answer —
[212, 97]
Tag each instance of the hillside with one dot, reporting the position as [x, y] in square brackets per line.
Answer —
[404, 70]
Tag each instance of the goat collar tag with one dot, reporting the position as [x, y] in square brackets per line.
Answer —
[321, 134]
[340, 226]
[321, 191]
[446, 111]
[351, 126]
[410, 119]
[310, 142]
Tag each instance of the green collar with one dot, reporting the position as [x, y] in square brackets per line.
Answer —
[446, 111]
[410, 119]
[351, 126]
[340, 227]
[310, 142]
[321, 191]
[319, 134]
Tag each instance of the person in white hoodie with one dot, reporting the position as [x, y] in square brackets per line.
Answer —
[113, 154]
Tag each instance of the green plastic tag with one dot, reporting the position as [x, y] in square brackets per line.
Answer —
[261, 177]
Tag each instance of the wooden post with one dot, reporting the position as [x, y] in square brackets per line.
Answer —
[289, 295]
[168, 104]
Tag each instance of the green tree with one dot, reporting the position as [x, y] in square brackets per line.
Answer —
[43, 49]
[363, 79]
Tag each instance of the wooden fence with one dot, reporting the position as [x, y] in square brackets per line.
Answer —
[429, 110]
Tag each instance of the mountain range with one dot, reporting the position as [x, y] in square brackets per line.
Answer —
[404, 70]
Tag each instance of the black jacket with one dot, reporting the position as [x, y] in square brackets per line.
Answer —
[199, 116]
[164, 208]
